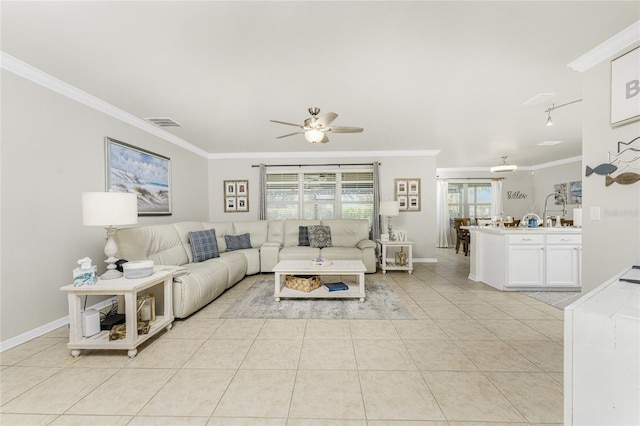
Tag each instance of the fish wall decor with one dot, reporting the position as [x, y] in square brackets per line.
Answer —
[623, 179]
[601, 169]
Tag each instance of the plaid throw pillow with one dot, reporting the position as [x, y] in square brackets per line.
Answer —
[238, 242]
[204, 245]
[319, 236]
[303, 236]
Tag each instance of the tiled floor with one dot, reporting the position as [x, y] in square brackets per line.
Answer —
[472, 355]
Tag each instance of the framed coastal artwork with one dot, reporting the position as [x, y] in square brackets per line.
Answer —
[575, 192]
[561, 189]
[147, 174]
[407, 192]
[236, 196]
[625, 88]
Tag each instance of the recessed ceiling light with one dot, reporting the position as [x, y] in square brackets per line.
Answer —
[539, 99]
[549, 143]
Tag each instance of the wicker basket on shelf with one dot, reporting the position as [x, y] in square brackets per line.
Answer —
[304, 283]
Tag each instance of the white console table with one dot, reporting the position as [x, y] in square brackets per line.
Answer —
[128, 288]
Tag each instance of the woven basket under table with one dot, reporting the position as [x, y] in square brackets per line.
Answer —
[304, 283]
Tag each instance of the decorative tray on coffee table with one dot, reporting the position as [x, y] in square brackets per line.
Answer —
[321, 262]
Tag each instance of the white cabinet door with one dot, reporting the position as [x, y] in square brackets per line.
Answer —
[525, 265]
[562, 265]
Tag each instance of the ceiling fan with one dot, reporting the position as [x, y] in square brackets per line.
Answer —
[315, 129]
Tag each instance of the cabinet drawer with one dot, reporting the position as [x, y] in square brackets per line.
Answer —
[526, 239]
[564, 239]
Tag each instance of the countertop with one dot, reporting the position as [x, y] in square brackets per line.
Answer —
[521, 230]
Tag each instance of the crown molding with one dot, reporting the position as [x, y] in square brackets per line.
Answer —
[607, 49]
[322, 154]
[520, 168]
[37, 76]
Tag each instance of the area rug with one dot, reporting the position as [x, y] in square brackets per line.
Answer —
[381, 302]
[558, 299]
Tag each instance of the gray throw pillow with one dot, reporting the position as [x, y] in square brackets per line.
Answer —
[319, 236]
[238, 242]
[303, 236]
[204, 245]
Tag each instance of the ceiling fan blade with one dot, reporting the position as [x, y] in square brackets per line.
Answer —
[287, 123]
[290, 134]
[327, 119]
[345, 129]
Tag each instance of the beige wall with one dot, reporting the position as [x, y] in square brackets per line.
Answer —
[52, 151]
[420, 225]
[612, 243]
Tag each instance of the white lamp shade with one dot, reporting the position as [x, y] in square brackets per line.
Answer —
[109, 208]
[389, 208]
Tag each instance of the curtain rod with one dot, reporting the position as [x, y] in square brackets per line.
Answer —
[471, 178]
[316, 165]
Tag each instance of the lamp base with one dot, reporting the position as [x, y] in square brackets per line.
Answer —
[111, 274]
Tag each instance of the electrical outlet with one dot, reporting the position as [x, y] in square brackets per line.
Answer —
[595, 213]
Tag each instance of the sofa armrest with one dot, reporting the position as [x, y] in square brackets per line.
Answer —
[364, 244]
[269, 254]
[178, 271]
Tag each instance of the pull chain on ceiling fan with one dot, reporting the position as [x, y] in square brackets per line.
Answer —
[315, 128]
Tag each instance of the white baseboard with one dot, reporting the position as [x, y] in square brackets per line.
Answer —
[47, 328]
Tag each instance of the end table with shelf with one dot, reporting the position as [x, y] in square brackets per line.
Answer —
[128, 289]
[403, 259]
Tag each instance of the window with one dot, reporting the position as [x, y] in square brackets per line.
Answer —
[320, 195]
[469, 200]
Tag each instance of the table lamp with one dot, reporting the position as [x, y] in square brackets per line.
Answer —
[389, 209]
[109, 209]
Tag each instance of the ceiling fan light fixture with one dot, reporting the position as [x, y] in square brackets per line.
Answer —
[314, 135]
[504, 167]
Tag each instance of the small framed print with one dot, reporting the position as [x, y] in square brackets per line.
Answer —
[242, 188]
[402, 202]
[413, 203]
[401, 186]
[236, 196]
[413, 187]
[230, 204]
[242, 204]
[229, 187]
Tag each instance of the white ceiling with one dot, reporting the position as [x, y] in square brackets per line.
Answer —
[449, 76]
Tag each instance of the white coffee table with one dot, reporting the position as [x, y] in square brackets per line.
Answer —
[306, 267]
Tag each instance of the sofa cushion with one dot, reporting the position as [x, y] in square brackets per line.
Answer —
[347, 232]
[298, 253]
[319, 236]
[237, 242]
[204, 245]
[258, 230]
[303, 236]
[292, 230]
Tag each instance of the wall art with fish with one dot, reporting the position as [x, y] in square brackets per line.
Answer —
[624, 162]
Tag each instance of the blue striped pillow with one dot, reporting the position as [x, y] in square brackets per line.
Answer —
[204, 245]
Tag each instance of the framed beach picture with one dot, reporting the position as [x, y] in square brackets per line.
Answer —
[561, 189]
[401, 187]
[625, 88]
[413, 203]
[135, 170]
[230, 204]
[413, 187]
[229, 188]
[402, 202]
[575, 192]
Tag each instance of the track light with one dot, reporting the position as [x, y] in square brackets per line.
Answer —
[553, 107]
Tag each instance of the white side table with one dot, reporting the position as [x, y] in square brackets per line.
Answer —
[128, 288]
[392, 266]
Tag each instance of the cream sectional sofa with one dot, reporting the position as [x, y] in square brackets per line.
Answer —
[198, 283]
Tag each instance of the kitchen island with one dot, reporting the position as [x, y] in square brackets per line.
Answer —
[536, 259]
